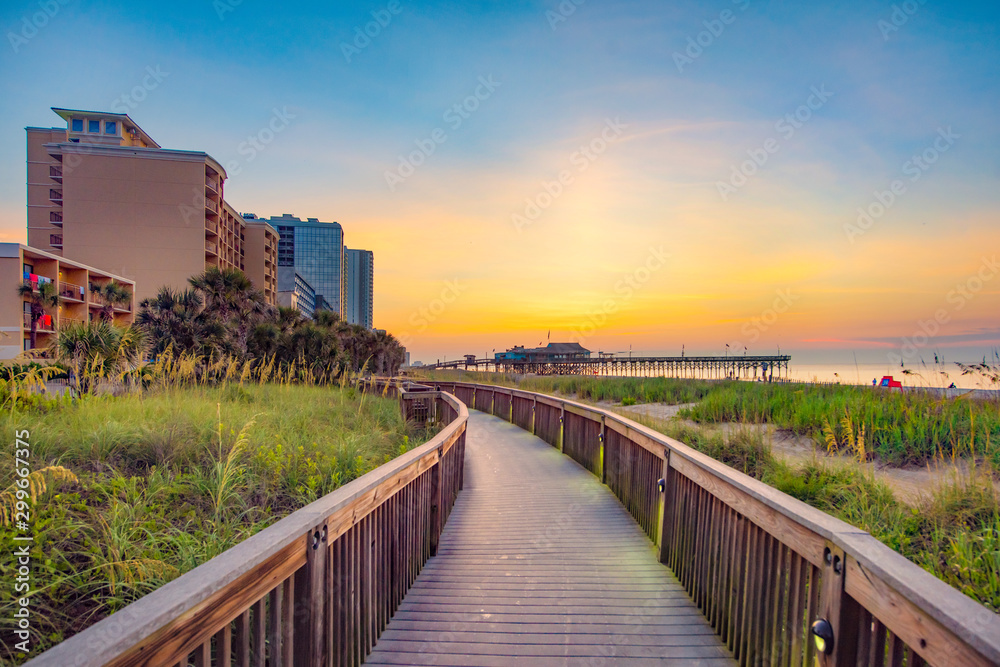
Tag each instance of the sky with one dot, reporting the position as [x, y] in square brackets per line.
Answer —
[819, 178]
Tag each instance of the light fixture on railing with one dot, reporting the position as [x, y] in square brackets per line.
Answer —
[822, 633]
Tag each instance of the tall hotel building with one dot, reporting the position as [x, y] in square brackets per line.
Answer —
[316, 251]
[359, 281]
[102, 193]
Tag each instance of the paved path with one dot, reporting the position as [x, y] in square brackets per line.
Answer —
[539, 564]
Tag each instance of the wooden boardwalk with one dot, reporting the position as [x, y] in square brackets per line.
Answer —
[540, 564]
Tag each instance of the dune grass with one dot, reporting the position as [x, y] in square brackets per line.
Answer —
[163, 480]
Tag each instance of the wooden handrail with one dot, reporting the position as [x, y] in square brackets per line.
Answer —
[761, 565]
[320, 583]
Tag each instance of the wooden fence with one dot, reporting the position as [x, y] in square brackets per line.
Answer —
[317, 588]
[762, 566]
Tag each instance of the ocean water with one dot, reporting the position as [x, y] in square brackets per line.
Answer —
[929, 375]
[939, 375]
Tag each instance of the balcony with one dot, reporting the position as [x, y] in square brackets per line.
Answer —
[56, 240]
[56, 197]
[211, 206]
[55, 173]
[34, 282]
[211, 248]
[211, 227]
[55, 217]
[211, 186]
[45, 323]
[72, 292]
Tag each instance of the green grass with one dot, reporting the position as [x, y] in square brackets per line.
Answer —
[170, 478]
[900, 427]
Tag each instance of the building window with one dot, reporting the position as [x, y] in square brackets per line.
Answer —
[77, 124]
[94, 126]
[110, 127]
[75, 141]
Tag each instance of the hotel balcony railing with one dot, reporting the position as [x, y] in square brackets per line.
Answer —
[55, 196]
[56, 240]
[212, 227]
[56, 217]
[71, 291]
[41, 326]
[211, 206]
[56, 173]
[211, 248]
[212, 185]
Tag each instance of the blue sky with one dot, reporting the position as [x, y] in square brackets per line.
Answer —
[229, 66]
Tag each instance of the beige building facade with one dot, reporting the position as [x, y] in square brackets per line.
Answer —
[103, 193]
[75, 285]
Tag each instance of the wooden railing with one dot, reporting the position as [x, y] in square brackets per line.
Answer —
[761, 565]
[316, 588]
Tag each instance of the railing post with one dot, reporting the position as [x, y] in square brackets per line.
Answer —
[436, 504]
[666, 526]
[310, 603]
[562, 426]
[838, 609]
[534, 412]
[602, 438]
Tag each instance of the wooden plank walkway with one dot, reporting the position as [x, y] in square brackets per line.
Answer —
[539, 564]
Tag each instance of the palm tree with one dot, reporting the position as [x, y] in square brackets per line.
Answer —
[325, 318]
[231, 295]
[179, 320]
[113, 295]
[99, 351]
[42, 296]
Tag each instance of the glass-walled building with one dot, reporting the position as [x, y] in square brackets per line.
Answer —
[316, 252]
[359, 282]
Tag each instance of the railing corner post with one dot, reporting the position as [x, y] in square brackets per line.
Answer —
[664, 533]
[562, 426]
[603, 439]
[310, 588]
[436, 505]
[838, 609]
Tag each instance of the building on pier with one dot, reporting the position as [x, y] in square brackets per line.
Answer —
[551, 353]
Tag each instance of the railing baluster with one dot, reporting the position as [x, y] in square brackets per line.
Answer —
[242, 639]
